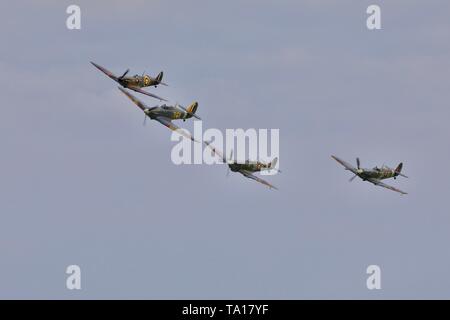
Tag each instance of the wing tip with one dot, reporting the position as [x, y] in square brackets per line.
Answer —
[95, 65]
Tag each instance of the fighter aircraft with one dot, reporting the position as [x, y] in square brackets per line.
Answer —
[135, 82]
[165, 114]
[247, 168]
[374, 175]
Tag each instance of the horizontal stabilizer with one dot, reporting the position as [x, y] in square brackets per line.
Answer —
[191, 109]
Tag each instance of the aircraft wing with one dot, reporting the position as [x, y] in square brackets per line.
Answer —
[347, 165]
[216, 151]
[168, 123]
[384, 185]
[105, 71]
[250, 175]
[137, 89]
[136, 101]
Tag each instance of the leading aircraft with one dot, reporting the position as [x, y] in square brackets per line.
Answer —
[165, 114]
[135, 82]
[374, 175]
[247, 168]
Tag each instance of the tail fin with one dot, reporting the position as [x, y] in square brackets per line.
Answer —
[398, 171]
[399, 168]
[190, 111]
[192, 107]
[273, 163]
[159, 76]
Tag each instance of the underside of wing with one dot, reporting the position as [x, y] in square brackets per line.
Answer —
[136, 101]
[258, 179]
[347, 165]
[105, 71]
[216, 151]
[168, 123]
[137, 89]
[384, 185]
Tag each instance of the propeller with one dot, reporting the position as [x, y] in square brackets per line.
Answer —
[124, 74]
[229, 159]
[358, 164]
[145, 116]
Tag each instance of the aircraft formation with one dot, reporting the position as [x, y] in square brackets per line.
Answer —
[165, 114]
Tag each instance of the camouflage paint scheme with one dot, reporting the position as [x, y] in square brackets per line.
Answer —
[252, 166]
[374, 175]
[135, 82]
[164, 114]
[247, 168]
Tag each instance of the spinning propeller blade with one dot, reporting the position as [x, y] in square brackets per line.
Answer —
[229, 160]
[124, 74]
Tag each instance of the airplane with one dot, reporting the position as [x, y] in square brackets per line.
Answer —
[374, 175]
[135, 82]
[247, 168]
[165, 114]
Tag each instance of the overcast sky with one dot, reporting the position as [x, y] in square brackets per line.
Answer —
[83, 182]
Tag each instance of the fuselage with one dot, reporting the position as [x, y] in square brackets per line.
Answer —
[252, 166]
[376, 173]
[167, 112]
[138, 81]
